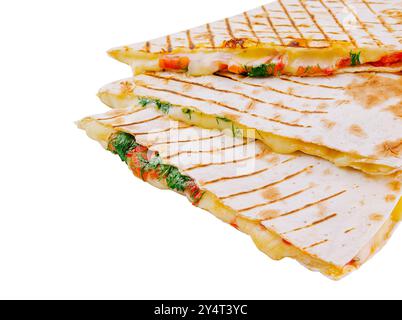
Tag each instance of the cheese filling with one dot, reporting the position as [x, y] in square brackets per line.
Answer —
[265, 62]
[149, 166]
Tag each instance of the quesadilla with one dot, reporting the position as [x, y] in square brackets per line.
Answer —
[350, 120]
[329, 219]
[286, 37]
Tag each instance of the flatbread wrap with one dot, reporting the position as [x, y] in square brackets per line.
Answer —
[286, 37]
[331, 220]
[351, 120]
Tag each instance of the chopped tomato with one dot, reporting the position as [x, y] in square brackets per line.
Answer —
[223, 67]
[279, 67]
[314, 70]
[194, 192]
[301, 71]
[388, 60]
[174, 63]
[135, 156]
[234, 68]
[353, 263]
[234, 225]
[286, 242]
[328, 71]
[153, 175]
[343, 63]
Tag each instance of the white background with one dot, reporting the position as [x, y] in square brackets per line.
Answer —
[74, 223]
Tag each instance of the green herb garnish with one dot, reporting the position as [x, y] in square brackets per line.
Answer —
[187, 112]
[355, 58]
[160, 105]
[163, 106]
[143, 102]
[235, 131]
[223, 119]
[174, 179]
[122, 143]
[263, 70]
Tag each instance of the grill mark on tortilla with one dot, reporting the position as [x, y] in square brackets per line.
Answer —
[250, 25]
[285, 10]
[211, 36]
[223, 105]
[154, 132]
[172, 78]
[189, 140]
[352, 11]
[136, 122]
[396, 15]
[340, 25]
[229, 28]
[273, 89]
[315, 223]
[309, 205]
[122, 114]
[206, 151]
[316, 244]
[234, 177]
[379, 17]
[169, 44]
[199, 166]
[311, 85]
[191, 45]
[148, 47]
[312, 17]
[271, 24]
[247, 175]
[268, 185]
[349, 230]
[274, 201]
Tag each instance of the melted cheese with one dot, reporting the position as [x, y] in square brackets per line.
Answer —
[206, 61]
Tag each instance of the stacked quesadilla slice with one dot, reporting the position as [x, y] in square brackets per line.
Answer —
[350, 120]
[329, 219]
[286, 37]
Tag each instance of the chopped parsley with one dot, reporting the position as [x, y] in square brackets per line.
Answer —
[263, 70]
[160, 105]
[187, 112]
[174, 179]
[163, 106]
[121, 144]
[235, 131]
[355, 58]
[223, 119]
[143, 102]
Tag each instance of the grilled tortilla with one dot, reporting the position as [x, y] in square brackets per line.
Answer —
[329, 219]
[287, 37]
[351, 120]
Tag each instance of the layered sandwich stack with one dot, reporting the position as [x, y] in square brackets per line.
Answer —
[284, 122]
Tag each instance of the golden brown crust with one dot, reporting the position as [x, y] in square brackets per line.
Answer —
[374, 90]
